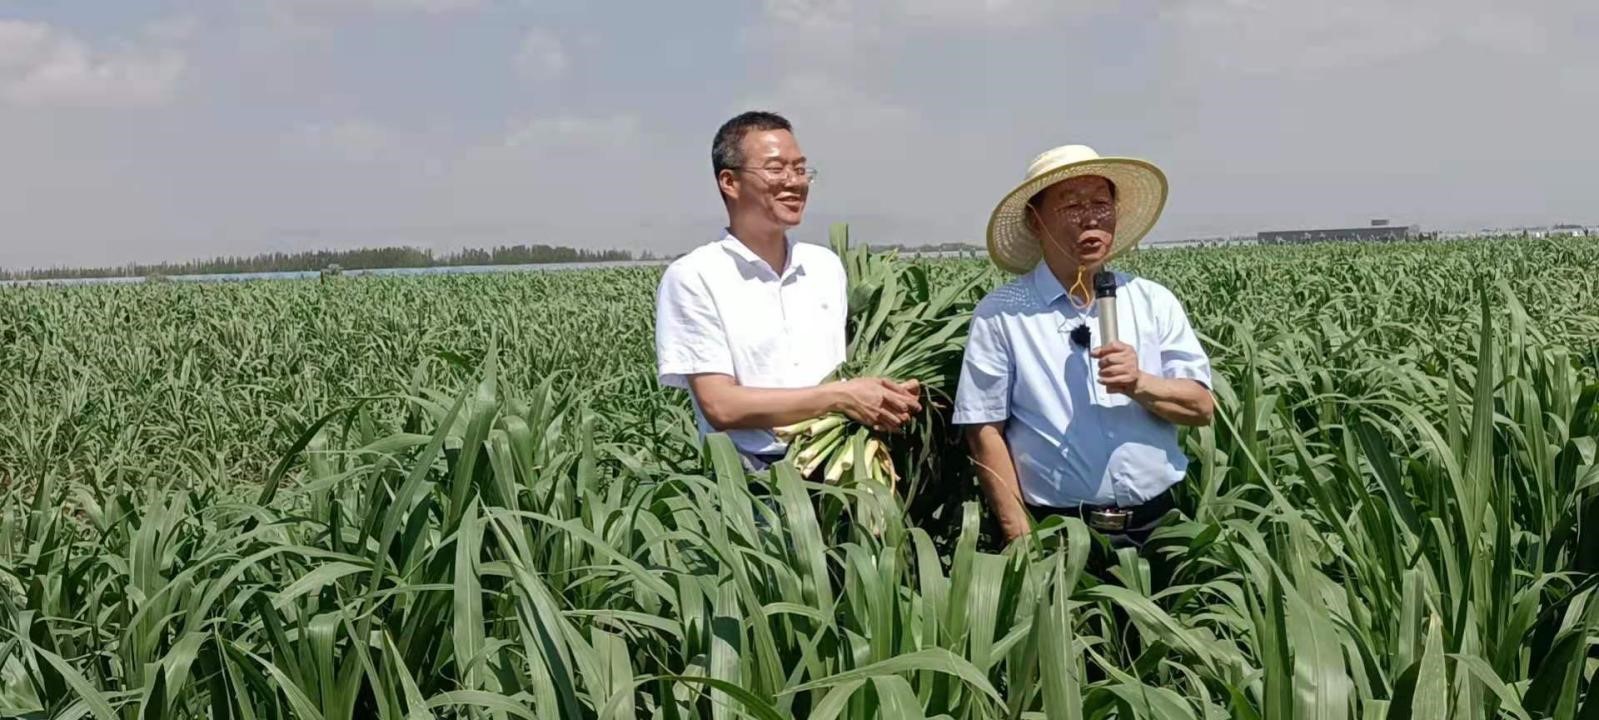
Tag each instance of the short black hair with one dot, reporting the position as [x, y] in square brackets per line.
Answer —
[725, 153]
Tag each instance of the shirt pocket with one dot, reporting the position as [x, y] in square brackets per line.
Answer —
[756, 338]
[818, 328]
[814, 316]
[1148, 347]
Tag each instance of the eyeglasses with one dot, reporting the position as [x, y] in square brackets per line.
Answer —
[779, 174]
[1100, 211]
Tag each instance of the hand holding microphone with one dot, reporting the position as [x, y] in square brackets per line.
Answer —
[1105, 303]
[1118, 362]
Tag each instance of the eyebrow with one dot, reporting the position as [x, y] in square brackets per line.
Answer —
[1095, 195]
[1092, 194]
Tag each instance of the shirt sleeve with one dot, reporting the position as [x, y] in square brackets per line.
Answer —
[689, 336]
[983, 395]
[1181, 355]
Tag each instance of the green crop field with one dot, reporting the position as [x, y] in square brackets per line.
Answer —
[467, 497]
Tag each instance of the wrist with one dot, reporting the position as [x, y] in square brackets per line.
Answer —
[1146, 388]
[833, 397]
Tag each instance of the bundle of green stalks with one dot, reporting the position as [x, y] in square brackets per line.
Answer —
[902, 326]
[835, 445]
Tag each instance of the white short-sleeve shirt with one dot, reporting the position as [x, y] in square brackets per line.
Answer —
[721, 309]
[1072, 441]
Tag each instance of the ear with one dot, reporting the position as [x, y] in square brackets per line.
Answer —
[725, 182]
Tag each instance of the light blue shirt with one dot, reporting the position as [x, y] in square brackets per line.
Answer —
[1073, 442]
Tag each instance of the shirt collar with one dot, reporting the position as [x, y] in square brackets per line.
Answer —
[1046, 285]
[1049, 289]
[743, 252]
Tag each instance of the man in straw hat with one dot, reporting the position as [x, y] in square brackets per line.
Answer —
[1060, 421]
[751, 324]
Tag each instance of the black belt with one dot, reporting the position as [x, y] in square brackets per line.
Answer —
[1112, 518]
[767, 460]
[760, 462]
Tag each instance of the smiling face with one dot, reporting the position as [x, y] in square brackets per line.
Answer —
[770, 186]
[1075, 222]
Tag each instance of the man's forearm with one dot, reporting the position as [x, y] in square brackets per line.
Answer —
[1181, 401]
[735, 407]
[996, 472]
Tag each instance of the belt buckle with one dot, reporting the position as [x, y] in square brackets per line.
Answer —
[1112, 519]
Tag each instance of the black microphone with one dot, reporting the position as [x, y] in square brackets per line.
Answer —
[1105, 302]
[1080, 336]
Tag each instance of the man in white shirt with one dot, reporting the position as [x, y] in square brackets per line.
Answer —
[1060, 421]
[753, 323]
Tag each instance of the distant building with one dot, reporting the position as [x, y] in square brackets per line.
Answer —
[1379, 231]
[1203, 242]
[1571, 229]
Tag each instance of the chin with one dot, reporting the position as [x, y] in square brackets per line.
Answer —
[1094, 259]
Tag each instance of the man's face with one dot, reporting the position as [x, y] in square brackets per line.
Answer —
[772, 182]
[1075, 219]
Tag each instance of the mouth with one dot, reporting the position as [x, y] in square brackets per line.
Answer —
[1093, 244]
[791, 203]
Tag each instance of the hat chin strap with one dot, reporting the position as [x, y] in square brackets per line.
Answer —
[1071, 293]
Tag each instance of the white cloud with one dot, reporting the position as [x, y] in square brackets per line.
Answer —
[811, 13]
[172, 30]
[297, 21]
[1328, 114]
[998, 13]
[541, 55]
[1507, 30]
[403, 6]
[1266, 37]
[884, 166]
[825, 102]
[369, 122]
[586, 179]
[360, 140]
[836, 15]
[574, 132]
[42, 66]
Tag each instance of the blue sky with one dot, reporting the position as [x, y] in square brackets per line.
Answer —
[175, 129]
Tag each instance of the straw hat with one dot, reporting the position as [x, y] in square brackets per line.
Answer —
[1140, 197]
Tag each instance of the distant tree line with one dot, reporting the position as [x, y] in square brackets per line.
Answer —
[359, 259]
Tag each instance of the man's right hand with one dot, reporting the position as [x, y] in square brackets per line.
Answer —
[997, 474]
[879, 403]
[1014, 526]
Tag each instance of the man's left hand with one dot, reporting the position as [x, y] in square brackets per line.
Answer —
[1118, 367]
